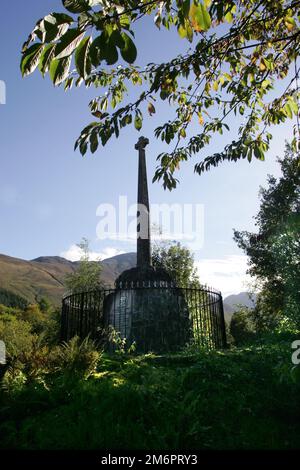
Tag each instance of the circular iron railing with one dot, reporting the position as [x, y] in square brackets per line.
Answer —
[158, 318]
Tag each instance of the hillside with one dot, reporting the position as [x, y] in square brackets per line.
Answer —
[44, 276]
[233, 301]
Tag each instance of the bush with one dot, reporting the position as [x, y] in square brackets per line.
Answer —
[16, 334]
[12, 300]
[239, 399]
[76, 357]
[241, 327]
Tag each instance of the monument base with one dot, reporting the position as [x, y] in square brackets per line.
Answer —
[149, 310]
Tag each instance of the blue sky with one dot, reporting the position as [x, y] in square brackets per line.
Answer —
[49, 194]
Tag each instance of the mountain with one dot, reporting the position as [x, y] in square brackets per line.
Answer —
[117, 264]
[234, 300]
[44, 276]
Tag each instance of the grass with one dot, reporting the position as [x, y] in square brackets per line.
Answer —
[238, 399]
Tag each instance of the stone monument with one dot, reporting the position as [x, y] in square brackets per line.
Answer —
[143, 273]
[147, 308]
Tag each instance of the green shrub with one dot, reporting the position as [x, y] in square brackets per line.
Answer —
[16, 334]
[241, 327]
[76, 357]
[237, 399]
[11, 299]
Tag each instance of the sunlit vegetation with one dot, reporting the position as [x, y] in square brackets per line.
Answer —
[75, 396]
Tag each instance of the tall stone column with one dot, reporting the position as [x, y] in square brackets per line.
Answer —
[143, 215]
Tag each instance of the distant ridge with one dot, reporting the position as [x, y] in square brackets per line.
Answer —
[233, 301]
[44, 277]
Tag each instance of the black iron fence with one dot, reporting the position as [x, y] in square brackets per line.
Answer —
[160, 318]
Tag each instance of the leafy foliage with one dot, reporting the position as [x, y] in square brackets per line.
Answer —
[274, 252]
[16, 334]
[11, 299]
[241, 327]
[203, 401]
[88, 274]
[178, 261]
[73, 396]
[76, 357]
[20, 329]
[33, 349]
[238, 51]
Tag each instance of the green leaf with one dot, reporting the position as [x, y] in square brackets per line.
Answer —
[288, 110]
[293, 105]
[111, 54]
[97, 48]
[31, 59]
[59, 70]
[186, 31]
[138, 122]
[189, 32]
[116, 39]
[59, 18]
[69, 83]
[182, 31]
[68, 43]
[55, 33]
[94, 141]
[55, 26]
[103, 48]
[290, 23]
[125, 21]
[128, 52]
[200, 18]
[82, 58]
[185, 8]
[77, 6]
[265, 83]
[259, 153]
[83, 147]
[46, 58]
[228, 17]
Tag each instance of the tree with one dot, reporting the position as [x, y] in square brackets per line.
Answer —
[16, 334]
[274, 252]
[88, 274]
[33, 315]
[11, 299]
[178, 261]
[241, 326]
[45, 305]
[238, 50]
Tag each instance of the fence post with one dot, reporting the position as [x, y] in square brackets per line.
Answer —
[82, 295]
[225, 345]
[63, 326]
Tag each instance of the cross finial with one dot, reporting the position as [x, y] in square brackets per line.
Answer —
[141, 144]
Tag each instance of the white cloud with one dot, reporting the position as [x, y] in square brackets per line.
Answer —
[226, 274]
[74, 253]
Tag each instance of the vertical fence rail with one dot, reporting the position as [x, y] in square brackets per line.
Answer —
[156, 317]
